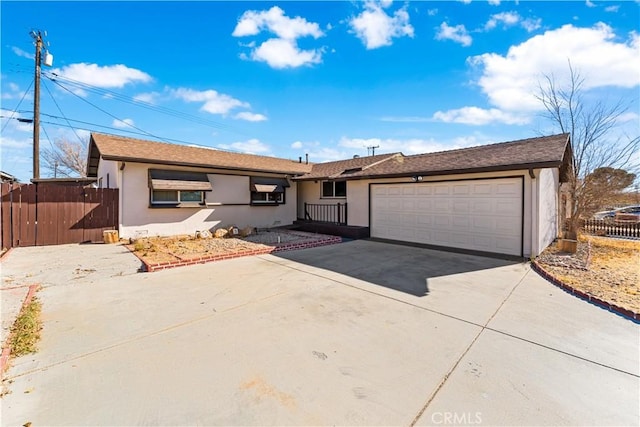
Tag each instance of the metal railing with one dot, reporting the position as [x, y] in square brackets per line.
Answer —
[333, 214]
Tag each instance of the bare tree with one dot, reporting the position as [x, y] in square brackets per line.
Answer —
[594, 139]
[66, 158]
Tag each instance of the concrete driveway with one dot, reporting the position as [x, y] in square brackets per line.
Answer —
[361, 333]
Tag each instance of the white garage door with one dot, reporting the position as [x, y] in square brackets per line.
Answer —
[483, 215]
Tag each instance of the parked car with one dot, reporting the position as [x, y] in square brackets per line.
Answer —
[624, 213]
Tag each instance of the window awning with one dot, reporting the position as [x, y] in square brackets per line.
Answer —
[262, 184]
[178, 180]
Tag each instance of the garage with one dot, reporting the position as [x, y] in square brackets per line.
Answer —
[481, 214]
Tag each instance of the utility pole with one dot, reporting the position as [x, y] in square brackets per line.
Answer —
[48, 61]
[36, 105]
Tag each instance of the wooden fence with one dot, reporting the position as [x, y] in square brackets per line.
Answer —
[611, 228]
[46, 214]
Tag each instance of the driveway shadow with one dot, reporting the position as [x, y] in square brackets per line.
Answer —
[402, 268]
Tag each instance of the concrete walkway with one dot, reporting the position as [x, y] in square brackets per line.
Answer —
[361, 333]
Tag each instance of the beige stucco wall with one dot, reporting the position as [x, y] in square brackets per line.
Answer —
[228, 204]
[108, 171]
[548, 198]
[540, 216]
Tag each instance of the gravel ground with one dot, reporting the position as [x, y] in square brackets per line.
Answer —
[180, 248]
[602, 267]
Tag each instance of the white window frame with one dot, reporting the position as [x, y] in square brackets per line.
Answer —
[177, 201]
[279, 201]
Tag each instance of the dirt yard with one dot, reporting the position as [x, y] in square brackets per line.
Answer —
[602, 267]
[183, 248]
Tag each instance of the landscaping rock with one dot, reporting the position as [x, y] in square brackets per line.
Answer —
[233, 231]
[247, 231]
[220, 233]
[204, 234]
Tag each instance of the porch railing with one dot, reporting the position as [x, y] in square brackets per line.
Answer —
[333, 214]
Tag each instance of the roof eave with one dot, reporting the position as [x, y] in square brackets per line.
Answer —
[523, 166]
[197, 165]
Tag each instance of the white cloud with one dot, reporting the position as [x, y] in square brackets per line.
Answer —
[16, 144]
[629, 116]
[509, 81]
[282, 51]
[432, 12]
[274, 20]
[285, 53]
[14, 123]
[108, 76]
[510, 19]
[390, 145]
[479, 116]
[250, 117]
[297, 145]
[12, 91]
[590, 3]
[123, 124]
[213, 101]
[507, 19]
[376, 28]
[458, 34]
[494, 2]
[252, 146]
[22, 53]
[531, 24]
[148, 97]
[612, 9]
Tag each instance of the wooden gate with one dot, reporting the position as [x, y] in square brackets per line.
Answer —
[38, 215]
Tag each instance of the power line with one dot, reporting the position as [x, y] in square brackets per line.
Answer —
[142, 104]
[17, 106]
[104, 111]
[95, 125]
[59, 109]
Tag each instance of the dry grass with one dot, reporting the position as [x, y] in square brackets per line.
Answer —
[25, 332]
[613, 272]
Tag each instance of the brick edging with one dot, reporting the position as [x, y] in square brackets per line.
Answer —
[151, 267]
[6, 351]
[582, 295]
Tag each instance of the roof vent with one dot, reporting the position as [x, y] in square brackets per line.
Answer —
[356, 156]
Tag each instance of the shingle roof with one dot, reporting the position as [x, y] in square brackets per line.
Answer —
[346, 168]
[113, 147]
[548, 151]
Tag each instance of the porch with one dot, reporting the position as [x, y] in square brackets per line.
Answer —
[328, 219]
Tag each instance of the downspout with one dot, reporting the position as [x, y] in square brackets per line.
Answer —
[535, 241]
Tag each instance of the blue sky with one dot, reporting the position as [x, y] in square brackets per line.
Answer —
[323, 78]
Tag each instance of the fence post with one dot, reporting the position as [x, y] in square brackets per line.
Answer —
[307, 217]
[346, 217]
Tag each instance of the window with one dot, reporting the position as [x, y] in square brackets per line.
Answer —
[260, 197]
[332, 189]
[170, 188]
[173, 197]
[267, 191]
